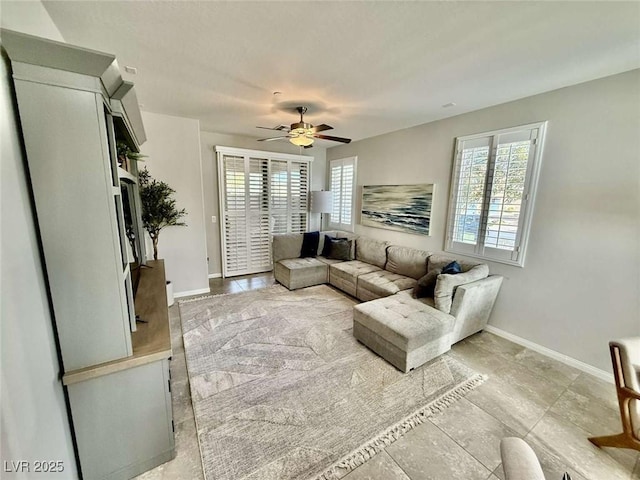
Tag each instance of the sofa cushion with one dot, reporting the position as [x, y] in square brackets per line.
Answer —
[328, 261]
[349, 236]
[407, 261]
[403, 321]
[452, 268]
[371, 251]
[296, 273]
[340, 248]
[382, 283]
[310, 242]
[344, 275]
[427, 284]
[286, 245]
[323, 234]
[447, 283]
[441, 261]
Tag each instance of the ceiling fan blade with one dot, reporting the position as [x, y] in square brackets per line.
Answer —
[333, 139]
[278, 128]
[272, 138]
[321, 128]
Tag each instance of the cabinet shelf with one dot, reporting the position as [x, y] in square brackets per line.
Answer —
[123, 175]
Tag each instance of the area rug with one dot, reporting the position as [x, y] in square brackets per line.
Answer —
[282, 390]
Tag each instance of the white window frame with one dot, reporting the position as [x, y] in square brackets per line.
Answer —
[534, 163]
[337, 196]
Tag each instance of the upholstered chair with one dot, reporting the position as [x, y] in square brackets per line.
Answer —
[519, 461]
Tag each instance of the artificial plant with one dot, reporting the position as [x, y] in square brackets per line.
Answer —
[158, 207]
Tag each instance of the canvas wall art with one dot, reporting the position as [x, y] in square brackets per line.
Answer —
[406, 208]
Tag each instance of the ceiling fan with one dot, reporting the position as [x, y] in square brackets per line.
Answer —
[302, 133]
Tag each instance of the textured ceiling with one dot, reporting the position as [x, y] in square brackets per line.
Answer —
[366, 68]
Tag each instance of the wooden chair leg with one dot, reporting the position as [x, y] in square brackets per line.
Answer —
[621, 440]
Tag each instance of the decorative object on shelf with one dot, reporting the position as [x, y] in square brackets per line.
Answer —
[158, 207]
[406, 208]
[321, 202]
[125, 153]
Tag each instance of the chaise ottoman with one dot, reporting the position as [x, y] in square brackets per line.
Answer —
[404, 331]
[296, 273]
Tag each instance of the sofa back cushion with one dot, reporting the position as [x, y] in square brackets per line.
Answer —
[439, 261]
[371, 251]
[287, 245]
[407, 261]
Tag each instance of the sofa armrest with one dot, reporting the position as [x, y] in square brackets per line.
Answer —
[286, 245]
[519, 461]
[472, 306]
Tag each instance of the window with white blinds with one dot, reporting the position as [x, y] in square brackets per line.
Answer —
[259, 196]
[343, 185]
[493, 187]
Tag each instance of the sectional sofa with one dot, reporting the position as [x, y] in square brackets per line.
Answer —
[405, 330]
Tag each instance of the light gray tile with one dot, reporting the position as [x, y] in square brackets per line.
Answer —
[178, 367]
[495, 344]
[589, 413]
[427, 453]
[477, 358]
[569, 444]
[547, 367]
[589, 385]
[519, 403]
[181, 400]
[475, 430]
[381, 466]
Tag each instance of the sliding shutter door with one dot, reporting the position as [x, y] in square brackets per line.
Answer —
[259, 197]
[299, 196]
[236, 243]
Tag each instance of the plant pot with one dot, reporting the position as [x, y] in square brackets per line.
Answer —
[170, 300]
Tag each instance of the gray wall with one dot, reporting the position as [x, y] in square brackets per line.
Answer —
[210, 182]
[33, 419]
[173, 147]
[580, 286]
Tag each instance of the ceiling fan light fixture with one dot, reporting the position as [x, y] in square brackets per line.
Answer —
[301, 140]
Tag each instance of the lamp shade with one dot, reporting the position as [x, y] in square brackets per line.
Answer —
[301, 140]
[321, 202]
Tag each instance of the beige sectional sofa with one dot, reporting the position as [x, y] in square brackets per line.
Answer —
[404, 330]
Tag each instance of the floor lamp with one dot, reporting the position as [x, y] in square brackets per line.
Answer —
[321, 202]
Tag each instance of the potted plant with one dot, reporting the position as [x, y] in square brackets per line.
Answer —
[125, 154]
[158, 211]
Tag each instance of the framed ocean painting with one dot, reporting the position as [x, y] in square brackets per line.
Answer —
[406, 208]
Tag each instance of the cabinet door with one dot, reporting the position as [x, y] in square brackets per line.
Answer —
[65, 139]
[123, 421]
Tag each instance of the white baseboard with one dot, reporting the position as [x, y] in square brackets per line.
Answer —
[215, 275]
[572, 362]
[188, 293]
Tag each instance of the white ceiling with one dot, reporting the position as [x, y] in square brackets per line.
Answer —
[366, 68]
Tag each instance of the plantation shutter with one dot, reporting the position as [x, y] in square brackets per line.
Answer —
[259, 196]
[489, 213]
[343, 175]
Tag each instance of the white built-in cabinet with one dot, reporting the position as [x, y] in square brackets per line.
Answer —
[73, 107]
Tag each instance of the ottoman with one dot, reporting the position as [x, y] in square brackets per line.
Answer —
[402, 330]
[296, 273]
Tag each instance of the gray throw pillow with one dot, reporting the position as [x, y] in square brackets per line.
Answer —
[340, 249]
[427, 284]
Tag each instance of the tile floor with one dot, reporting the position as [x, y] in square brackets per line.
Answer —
[552, 406]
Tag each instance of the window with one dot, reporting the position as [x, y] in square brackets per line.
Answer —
[342, 184]
[493, 187]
